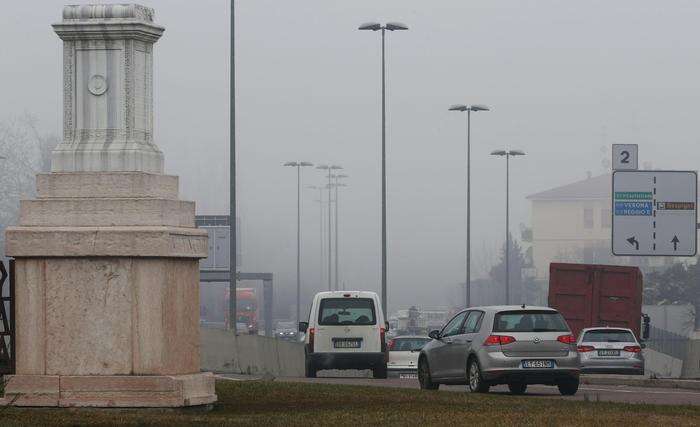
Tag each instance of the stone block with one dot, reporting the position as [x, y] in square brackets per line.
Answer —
[110, 391]
[88, 313]
[108, 316]
[166, 335]
[32, 390]
[107, 185]
[30, 324]
[171, 242]
[93, 212]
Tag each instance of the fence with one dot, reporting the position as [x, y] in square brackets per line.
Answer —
[7, 316]
[668, 343]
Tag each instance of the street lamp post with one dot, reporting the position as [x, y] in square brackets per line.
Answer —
[468, 109]
[507, 154]
[330, 170]
[390, 26]
[233, 268]
[320, 232]
[298, 165]
[337, 234]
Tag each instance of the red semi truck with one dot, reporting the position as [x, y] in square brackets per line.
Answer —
[589, 295]
[246, 310]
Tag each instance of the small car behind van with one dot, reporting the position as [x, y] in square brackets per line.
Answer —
[346, 330]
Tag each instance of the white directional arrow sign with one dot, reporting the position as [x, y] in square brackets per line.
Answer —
[654, 213]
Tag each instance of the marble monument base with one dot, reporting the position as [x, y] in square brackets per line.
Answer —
[110, 391]
[107, 294]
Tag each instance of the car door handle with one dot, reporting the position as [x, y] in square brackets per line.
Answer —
[467, 341]
[448, 341]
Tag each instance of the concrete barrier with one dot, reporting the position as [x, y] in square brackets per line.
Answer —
[223, 352]
[661, 365]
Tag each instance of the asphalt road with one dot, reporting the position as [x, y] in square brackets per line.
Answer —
[592, 393]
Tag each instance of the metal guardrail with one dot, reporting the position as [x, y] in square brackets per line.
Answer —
[669, 343]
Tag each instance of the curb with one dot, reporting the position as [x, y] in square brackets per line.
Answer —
[641, 382]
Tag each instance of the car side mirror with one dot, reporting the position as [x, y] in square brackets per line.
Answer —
[303, 326]
[434, 334]
[642, 345]
[386, 326]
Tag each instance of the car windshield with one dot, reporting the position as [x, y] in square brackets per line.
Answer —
[346, 311]
[529, 321]
[608, 335]
[408, 344]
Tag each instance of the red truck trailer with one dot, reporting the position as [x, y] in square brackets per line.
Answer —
[589, 295]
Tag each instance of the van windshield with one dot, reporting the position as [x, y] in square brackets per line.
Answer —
[529, 321]
[346, 311]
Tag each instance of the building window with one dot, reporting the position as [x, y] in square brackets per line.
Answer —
[605, 218]
[588, 218]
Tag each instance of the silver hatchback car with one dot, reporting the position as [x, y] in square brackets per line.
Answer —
[610, 351]
[513, 345]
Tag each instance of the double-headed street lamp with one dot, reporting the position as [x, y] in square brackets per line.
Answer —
[390, 26]
[507, 154]
[298, 165]
[468, 109]
[330, 170]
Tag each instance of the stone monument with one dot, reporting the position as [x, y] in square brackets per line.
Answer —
[107, 256]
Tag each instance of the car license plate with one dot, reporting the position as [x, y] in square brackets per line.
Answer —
[608, 352]
[346, 343]
[409, 376]
[538, 364]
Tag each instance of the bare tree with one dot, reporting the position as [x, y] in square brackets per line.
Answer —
[26, 152]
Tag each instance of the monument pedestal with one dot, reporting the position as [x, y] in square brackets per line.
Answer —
[107, 312]
[107, 256]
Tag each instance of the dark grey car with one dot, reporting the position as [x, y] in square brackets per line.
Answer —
[514, 345]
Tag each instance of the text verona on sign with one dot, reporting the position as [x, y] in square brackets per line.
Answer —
[633, 208]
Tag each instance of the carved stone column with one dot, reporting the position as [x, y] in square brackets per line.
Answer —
[107, 256]
[108, 89]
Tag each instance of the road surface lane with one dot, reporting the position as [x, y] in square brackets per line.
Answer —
[593, 393]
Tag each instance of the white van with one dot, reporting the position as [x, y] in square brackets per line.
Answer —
[346, 330]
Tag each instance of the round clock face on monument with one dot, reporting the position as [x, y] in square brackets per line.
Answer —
[97, 85]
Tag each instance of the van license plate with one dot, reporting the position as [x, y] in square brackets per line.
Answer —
[608, 352]
[408, 376]
[346, 343]
[538, 364]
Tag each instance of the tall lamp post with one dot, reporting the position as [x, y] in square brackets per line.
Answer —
[320, 232]
[468, 109]
[390, 26]
[507, 154]
[233, 268]
[330, 170]
[298, 165]
[337, 234]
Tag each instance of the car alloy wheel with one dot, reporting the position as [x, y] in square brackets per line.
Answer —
[476, 383]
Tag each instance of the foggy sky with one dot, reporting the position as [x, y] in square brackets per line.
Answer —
[565, 80]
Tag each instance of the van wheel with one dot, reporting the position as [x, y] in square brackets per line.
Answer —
[568, 387]
[517, 388]
[426, 383]
[476, 381]
[309, 368]
[379, 371]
